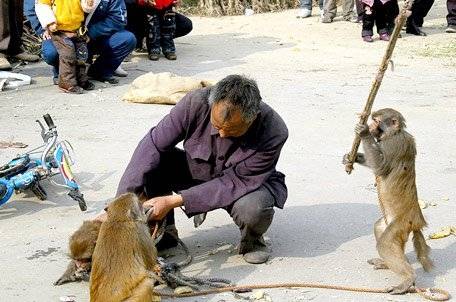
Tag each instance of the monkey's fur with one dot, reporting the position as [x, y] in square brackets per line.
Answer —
[81, 246]
[124, 256]
[390, 152]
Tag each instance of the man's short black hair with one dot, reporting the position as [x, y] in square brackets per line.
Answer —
[240, 92]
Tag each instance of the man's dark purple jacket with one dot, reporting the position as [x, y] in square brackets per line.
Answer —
[228, 167]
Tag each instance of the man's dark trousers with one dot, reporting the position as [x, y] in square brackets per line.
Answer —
[11, 15]
[252, 213]
[451, 17]
[420, 9]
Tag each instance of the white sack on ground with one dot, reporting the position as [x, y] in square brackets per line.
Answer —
[162, 88]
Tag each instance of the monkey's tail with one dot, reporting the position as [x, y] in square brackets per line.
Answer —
[422, 250]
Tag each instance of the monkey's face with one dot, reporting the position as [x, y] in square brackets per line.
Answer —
[83, 264]
[386, 122]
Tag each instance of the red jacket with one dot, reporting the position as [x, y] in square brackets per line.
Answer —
[159, 4]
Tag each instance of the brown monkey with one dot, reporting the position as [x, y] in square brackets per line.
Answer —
[124, 256]
[390, 152]
[81, 246]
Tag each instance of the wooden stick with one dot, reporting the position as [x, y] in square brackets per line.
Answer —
[377, 81]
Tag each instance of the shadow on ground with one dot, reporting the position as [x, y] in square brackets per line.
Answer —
[297, 232]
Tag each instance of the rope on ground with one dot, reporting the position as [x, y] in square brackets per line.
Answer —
[432, 294]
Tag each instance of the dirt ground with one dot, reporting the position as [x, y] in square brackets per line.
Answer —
[317, 76]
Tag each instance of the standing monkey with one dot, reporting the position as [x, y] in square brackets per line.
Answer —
[124, 256]
[390, 152]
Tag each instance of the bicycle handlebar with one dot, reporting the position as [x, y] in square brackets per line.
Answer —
[49, 121]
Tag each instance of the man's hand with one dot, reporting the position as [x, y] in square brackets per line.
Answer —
[162, 205]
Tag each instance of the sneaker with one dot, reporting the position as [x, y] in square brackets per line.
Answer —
[257, 257]
[368, 39]
[55, 81]
[120, 72]
[71, 89]
[25, 56]
[171, 56]
[326, 19]
[414, 30]
[154, 56]
[4, 63]
[351, 18]
[140, 50]
[384, 37]
[451, 29]
[304, 13]
[110, 80]
[87, 85]
[255, 252]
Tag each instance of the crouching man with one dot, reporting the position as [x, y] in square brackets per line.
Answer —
[232, 142]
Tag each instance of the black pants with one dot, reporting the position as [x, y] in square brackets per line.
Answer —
[137, 23]
[380, 15]
[161, 30]
[451, 17]
[252, 213]
[11, 19]
[420, 9]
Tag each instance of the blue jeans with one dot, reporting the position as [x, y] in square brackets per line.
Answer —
[308, 4]
[112, 50]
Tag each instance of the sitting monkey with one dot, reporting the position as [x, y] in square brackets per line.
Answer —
[125, 256]
[390, 152]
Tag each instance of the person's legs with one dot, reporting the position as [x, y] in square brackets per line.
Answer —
[392, 11]
[135, 23]
[183, 25]
[15, 26]
[4, 35]
[420, 8]
[368, 23]
[330, 11]
[67, 63]
[347, 10]
[51, 57]
[305, 9]
[167, 30]
[421, 11]
[360, 10]
[113, 50]
[451, 17]
[253, 214]
[153, 34]
[380, 20]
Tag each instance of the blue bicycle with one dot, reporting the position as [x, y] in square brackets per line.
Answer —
[27, 170]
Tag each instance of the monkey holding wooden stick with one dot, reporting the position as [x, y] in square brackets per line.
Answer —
[390, 152]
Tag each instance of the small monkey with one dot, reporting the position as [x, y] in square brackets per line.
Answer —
[125, 256]
[390, 152]
[81, 246]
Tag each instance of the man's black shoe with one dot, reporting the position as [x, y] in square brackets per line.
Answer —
[110, 80]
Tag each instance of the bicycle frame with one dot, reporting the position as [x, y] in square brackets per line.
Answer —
[26, 171]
